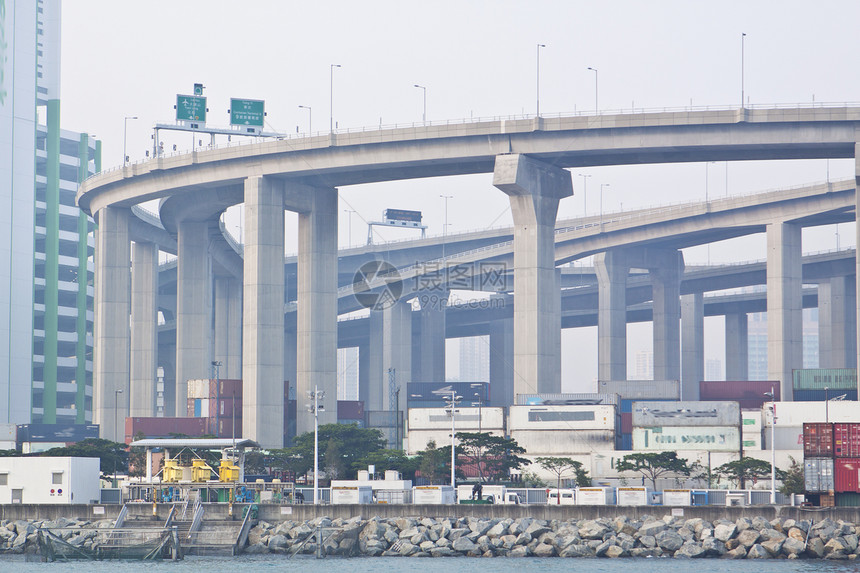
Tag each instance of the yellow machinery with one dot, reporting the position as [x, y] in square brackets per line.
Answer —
[172, 472]
[200, 471]
[228, 472]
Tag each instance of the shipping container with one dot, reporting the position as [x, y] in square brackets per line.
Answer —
[465, 419]
[563, 442]
[821, 378]
[642, 389]
[152, 427]
[818, 475]
[8, 433]
[846, 440]
[567, 399]
[648, 414]
[627, 441]
[595, 496]
[846, 473]
[633, 495]
[796, 413]
[848, 499]
[358, 494]
[626, 422]
[752, 441]
[417, 440]
[433, 495]
[225, 427]
[627, 404]
[563, 418]
[784, 437]
[817, 439]
[66, 433]
[430, 391]
[751, 421]
[677, 497]
[750, 394]
[822, 395]
[7, 445]
[669, 438]
[198, 388]
[225, 387]
[350, 410]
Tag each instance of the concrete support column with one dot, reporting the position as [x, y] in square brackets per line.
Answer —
[364, 372]
[666, 294]
[737, 347]
[612, 269]
[144, 328]
[428, 364]
[111, 360]
[374, 391]
[837, 323]
[534, 189]
[501, 362]
[784, 304]
[317, 299]
[692, 345]
[263, 313]
[396, 350]
[193, 308]
[228, 327]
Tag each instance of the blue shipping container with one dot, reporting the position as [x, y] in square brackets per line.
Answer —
[626, 442]
[821, 395]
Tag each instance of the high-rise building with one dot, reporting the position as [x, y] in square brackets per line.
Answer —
[46, 270]
[644, 368]
[347, 373]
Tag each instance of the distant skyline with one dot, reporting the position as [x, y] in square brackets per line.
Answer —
[472, 59]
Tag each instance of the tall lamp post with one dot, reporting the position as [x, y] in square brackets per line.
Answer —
[451, 402]
[315, 408]
[743, 38]
[424, 114]
[772, 396]
[445, 226]
[310, 117]
[539, 46]
[349, 213]
[125, 138]
[331, 96]
[584, 196]
[602, 185]
[595, 89]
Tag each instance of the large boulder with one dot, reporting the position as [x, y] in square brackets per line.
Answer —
[544, 550]
[713, 547]
[463, 545]
[690, 550]
[652, 528]
[591, 529]
[748, 537]
[575, 550]
[815, 547]
[792, 546]
[669, 540]
[758, 552]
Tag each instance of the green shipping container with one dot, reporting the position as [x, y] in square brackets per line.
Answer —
[820, 378]
[850, 499]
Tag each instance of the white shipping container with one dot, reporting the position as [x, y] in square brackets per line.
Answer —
[796, 413]
[635, 495]
[751, 421]
[8, 433]
[559, 442]
[344, 495]
[677, 497]
[751, 441]
[433, 495]
[784, 437]
[674, 438]
[8, 445]
[642, 389]
[595, 496]
[562, 418]
[661, 414]
[465, 419]
[417, 439]
[198, 388]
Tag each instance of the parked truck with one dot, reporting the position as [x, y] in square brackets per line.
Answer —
[486, 494]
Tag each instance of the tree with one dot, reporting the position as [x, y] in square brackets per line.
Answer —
[493, 456]
[384, 460]
[561, 466]
[531, 479]
[334, 466]
[434, 464]
[137, 458]
[743, 469]
[792, 478]
[653, 465]
[353, 443]
[113, 456]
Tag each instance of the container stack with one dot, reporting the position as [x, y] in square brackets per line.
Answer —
[751, 429]
[630, 391]
[750, 394]
[685, 426]
[818, 461]
[846, 463]
[562, 430]
[819, 384]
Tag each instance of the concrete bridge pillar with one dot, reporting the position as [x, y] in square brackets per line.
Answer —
[316, 326]
[666, 268]
[263, 314]
[612, 269]
[692, 345]
[396, 351]
[857, 259]
[837, 323]
[534, 189]
[228, 327]
[193, 308]
[737, 346]
[111, 360]
[144, 328]
[502, 362]
[372, 388]
[428, 356]
[784, 304]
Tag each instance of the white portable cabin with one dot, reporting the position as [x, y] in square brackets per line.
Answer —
[433, 495]
[633, 495]
[677, 497]
[49, 480]
[595, 496]
[347, 495]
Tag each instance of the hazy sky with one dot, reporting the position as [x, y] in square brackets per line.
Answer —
[476, 59]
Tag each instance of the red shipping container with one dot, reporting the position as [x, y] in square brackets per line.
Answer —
[225, 387]
[846, 440]
[350, 410]
[749, 393]
[626, 422]
[226, 427]
[164, 427]
[818, 439]
[847, 474]
[226, 407]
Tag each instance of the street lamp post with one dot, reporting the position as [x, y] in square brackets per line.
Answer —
[539, 46]
[445, 226]
[602, 185]
[310, 117]
[595, 89]
[125, 138]
[315, 408]
[424, 114]
[451, 401]
[584, 196]
[772, 396]
[349, 213]
[743, 37]
[331, 96]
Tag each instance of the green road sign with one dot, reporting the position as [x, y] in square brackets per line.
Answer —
[190, 108]
[247, 112]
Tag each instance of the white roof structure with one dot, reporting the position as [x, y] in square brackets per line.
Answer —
[200, 443]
